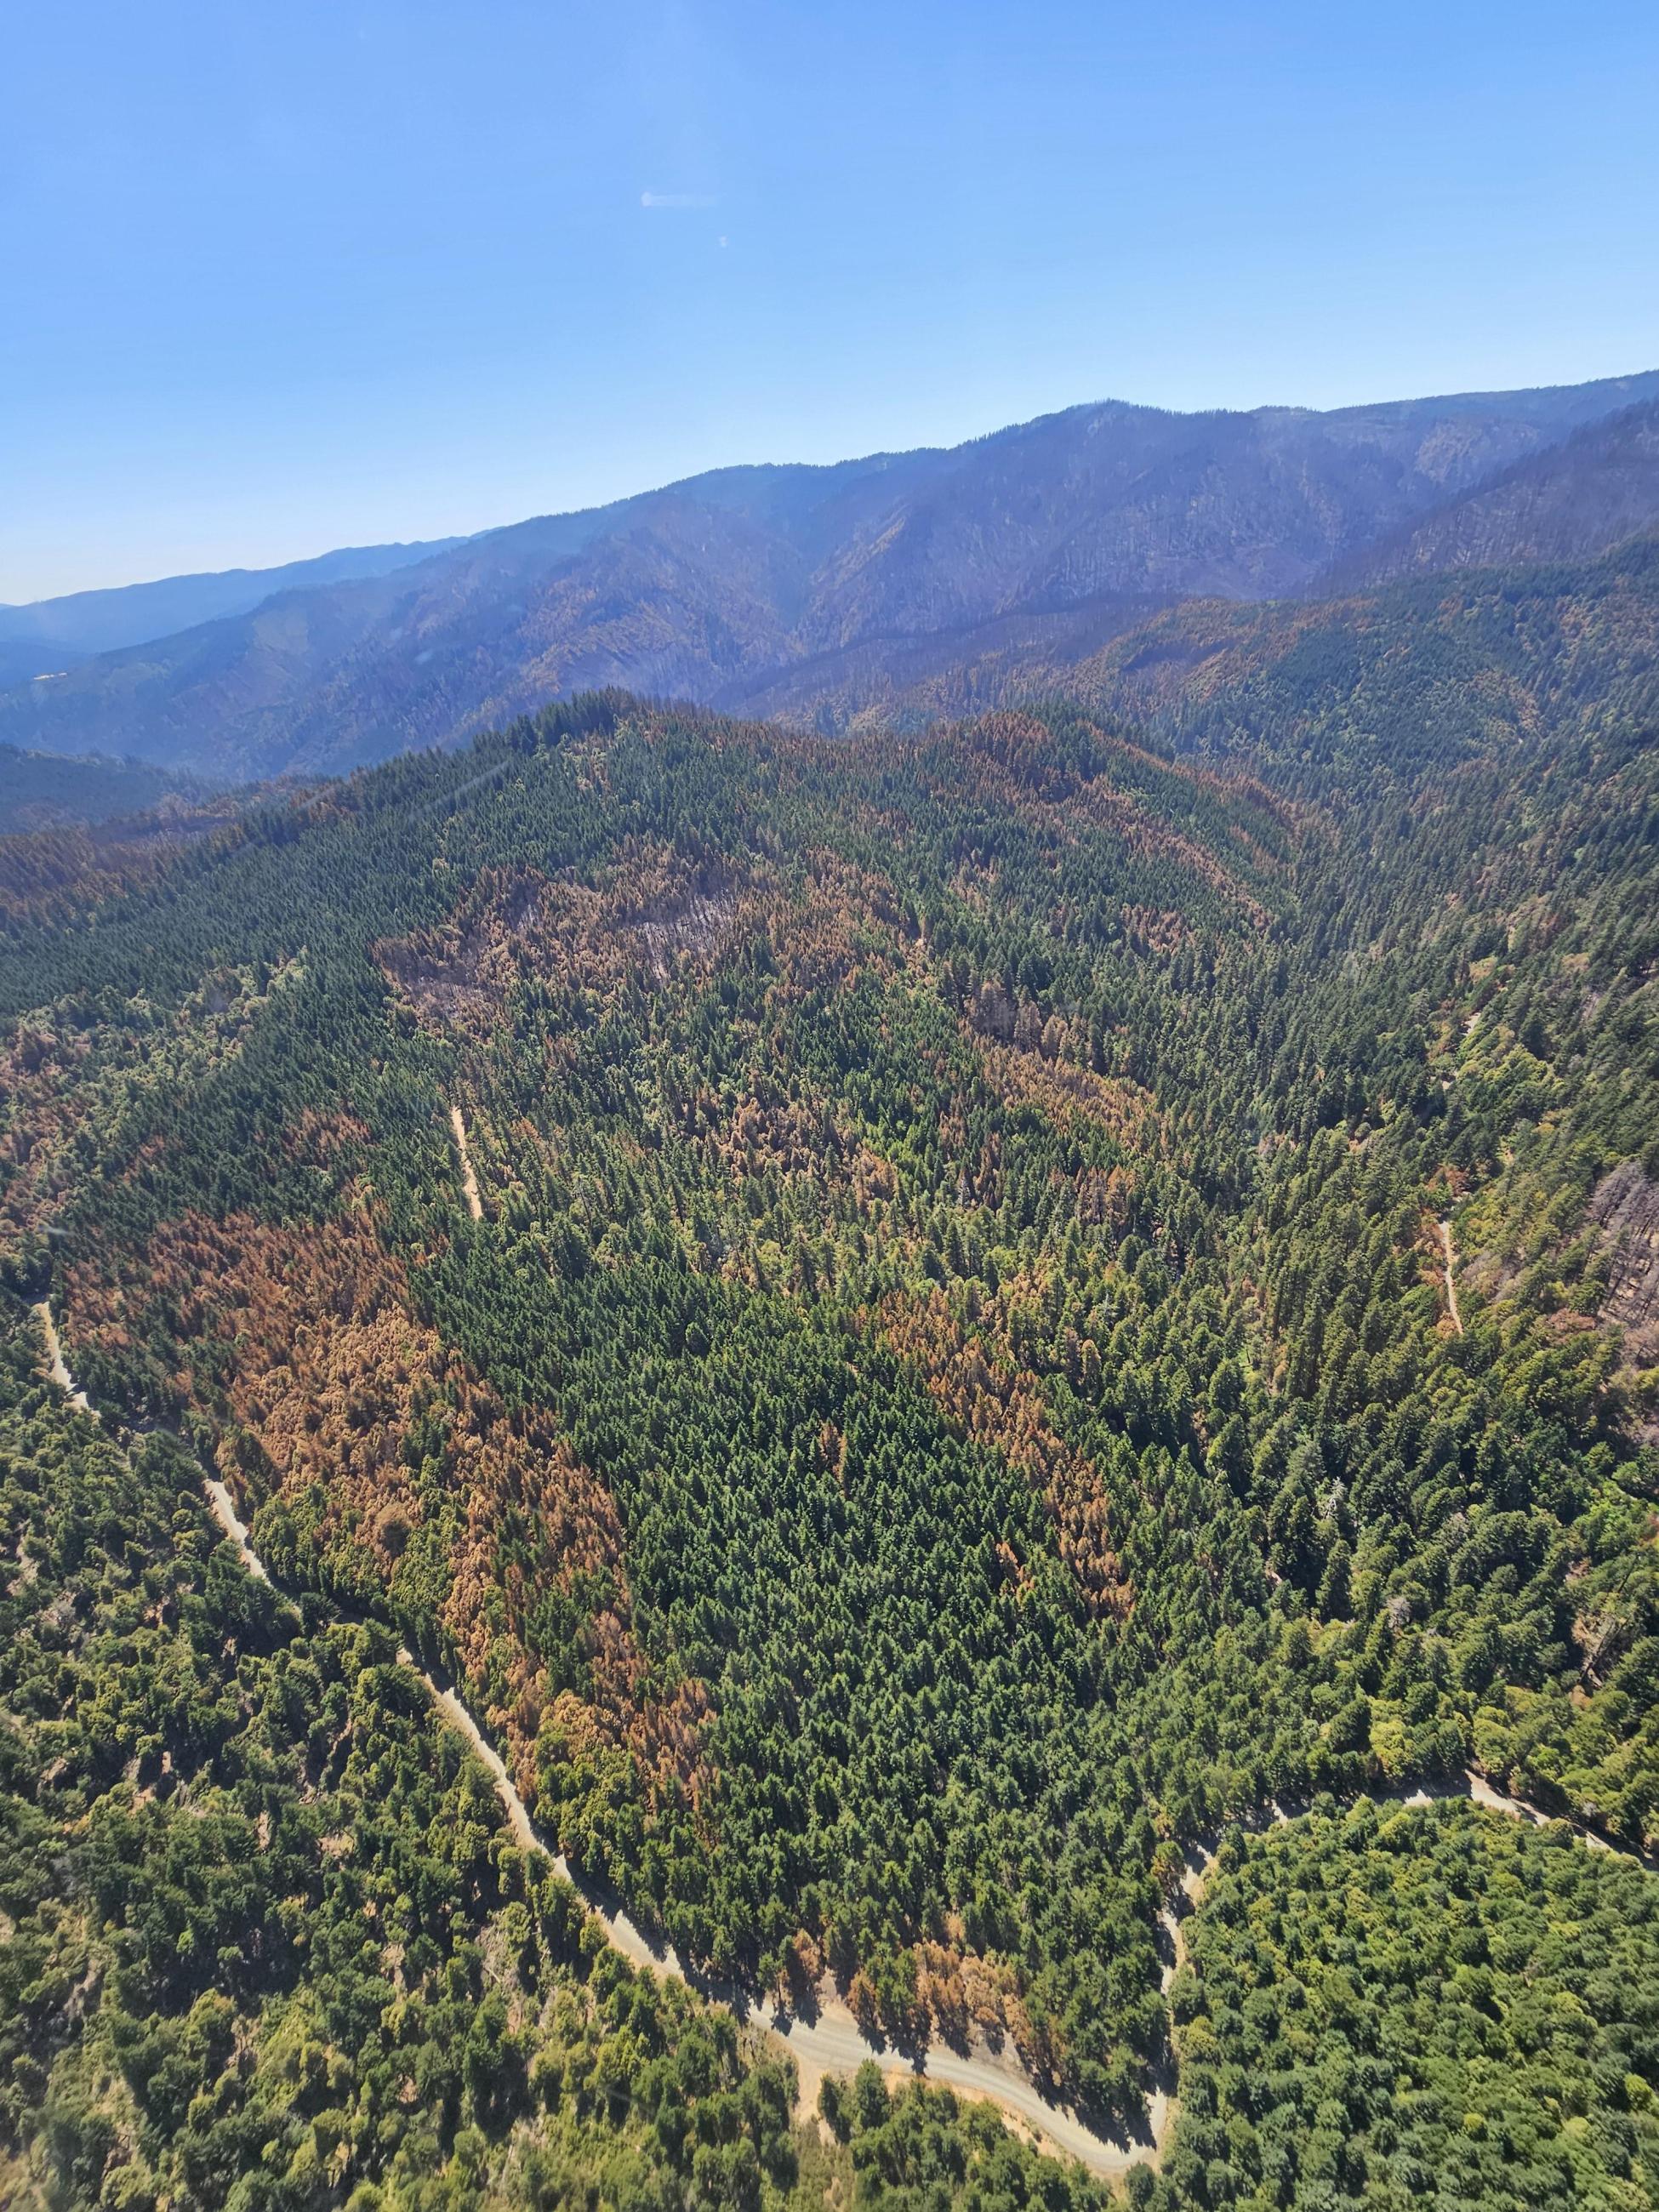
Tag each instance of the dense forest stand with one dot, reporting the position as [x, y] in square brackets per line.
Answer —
[831, 2042]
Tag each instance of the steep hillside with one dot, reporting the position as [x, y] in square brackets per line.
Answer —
[1382, 678]
[1599, 488]
[1434, 670]
[885, 1306]
[50, 635]
[815, 591]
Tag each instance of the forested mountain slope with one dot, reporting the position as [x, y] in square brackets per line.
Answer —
[1412, 671]
[267, 1943]
[950, 1391]
[1448, 2009]
[40, 790]
[1442, 669]
[1598, 488]
[235, 1844]
[813, 594]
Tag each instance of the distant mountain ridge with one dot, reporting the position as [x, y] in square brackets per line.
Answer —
[824, 595]
[48, 635]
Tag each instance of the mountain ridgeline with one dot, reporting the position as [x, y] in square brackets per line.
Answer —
[52, 635]
[930, 1325]
[881, 590]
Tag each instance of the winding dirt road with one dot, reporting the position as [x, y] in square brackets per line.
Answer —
[832, 2041]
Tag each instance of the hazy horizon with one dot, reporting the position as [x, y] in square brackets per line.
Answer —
[310, 551]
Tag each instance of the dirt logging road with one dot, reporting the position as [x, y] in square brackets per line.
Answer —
[1446, 1230]
[469, 1180]
[831, 2040]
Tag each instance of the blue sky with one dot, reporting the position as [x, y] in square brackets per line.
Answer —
[280, 275]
